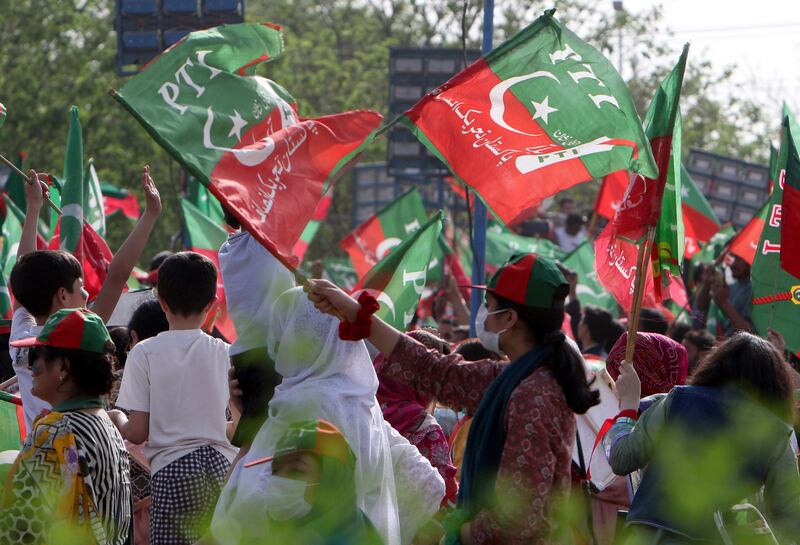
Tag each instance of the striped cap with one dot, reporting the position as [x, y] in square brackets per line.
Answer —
[527, 279]
[73, 328]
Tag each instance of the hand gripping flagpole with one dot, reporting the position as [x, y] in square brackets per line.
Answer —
[638, 292]
[28, 180]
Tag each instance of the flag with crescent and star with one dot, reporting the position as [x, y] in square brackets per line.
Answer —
[240, 134]
[205, 236]
[776, 292]
[71, 222]
[540, 113]
[384, 230]
[649, 202]
[398, 280]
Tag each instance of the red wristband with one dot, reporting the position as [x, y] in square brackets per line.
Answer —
[355, 331]
[628, 413]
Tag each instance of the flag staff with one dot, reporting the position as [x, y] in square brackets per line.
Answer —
[479, 224]
[638, 292]
[28, 180]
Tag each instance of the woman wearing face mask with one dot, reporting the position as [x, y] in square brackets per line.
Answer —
[312, 499]
[72, 470]
[517, 461]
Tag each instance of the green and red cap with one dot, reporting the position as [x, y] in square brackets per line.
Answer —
[72, 328]
[527, 279]
[312, 436]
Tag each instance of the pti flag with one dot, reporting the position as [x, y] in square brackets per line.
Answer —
[745, 243]
[648, 202]
[93, 206]
[540, 113]
[381, 232]
[239, 133]
[776, 292]
[116, 199]
[71, 222]
[207, 203]
[789, 182]
[589, 290]
[398, 280]
[611, 192]
[205, 236]
[501, 244]
[699, 220]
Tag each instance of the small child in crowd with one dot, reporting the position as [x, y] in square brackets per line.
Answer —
[175, 387]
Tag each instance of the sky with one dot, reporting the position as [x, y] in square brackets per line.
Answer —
[761, 38]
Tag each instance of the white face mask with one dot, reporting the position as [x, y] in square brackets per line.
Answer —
[489, 339]
[285, 499]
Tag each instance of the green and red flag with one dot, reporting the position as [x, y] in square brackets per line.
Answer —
[205, 236]
[118, 200]
[717, 244]
[14, 185]
[699, 219]
[93, 207]
[320, 213]
[789, 183]
[589, 290]
[540, 113]
[12, 431]
[207, 203]
[398, 280]
[776, 292]
[71, 223]
[371, 241]
[239, 133]
[745, 242]
[649, 202]
[501, 244]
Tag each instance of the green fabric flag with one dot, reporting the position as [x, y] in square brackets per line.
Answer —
[669, 244]
[538, 114]
[398, 280]
[699, 219]
[501, 244]
[14, 185]
[12, 423]
[207, 203]
[240, 134]
[340, 271]
[383, 231]
[776, 293]
[72, 194]
[710, 251]
[589, 290]
[12, 233]
[203, 233]
[93, 201]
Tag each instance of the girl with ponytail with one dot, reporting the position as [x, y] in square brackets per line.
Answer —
[517, 462]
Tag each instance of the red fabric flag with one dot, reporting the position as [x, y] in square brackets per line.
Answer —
[94, 255]
[611, 193]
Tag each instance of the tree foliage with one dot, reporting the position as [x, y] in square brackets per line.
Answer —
[61, 52]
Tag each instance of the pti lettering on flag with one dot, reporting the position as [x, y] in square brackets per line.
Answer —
[239, 133]
[540, 113]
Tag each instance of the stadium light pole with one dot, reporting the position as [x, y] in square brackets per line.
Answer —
[479, 221]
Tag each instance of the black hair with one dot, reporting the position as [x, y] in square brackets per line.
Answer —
[187, 282]
[598, 321]
[652, 321]
[544, 324]
[574, 219]
[121, 339]
[615, 331]
[37, 277]
[564, 201]
[677, 331]
[701, 338]
[473, 350]
[158, 259]
[148, 320]
[752, 364]
[92, 373]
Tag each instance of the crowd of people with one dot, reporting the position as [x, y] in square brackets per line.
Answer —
[322, 424]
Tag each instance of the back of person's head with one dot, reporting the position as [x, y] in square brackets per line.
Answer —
[752, 364]
[701, 338]
[430, 341]
[122, 340]
[38, 276]
[148, 320]
[187, 283]
[158, 259]
[473, 350]
[598, 321]
[574, 219]
[615, 331]
[535, 288]
[677, 331]
[652, 321]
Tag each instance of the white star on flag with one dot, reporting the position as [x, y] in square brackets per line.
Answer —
[543, 109]
[238, 125]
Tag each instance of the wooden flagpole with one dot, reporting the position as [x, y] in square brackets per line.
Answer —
[638, 292]
[27, 179]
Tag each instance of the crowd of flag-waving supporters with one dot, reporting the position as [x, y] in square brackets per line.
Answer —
[632, 383]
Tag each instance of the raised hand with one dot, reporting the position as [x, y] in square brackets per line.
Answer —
[330, 299]
[151, 195]
[37, 190]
